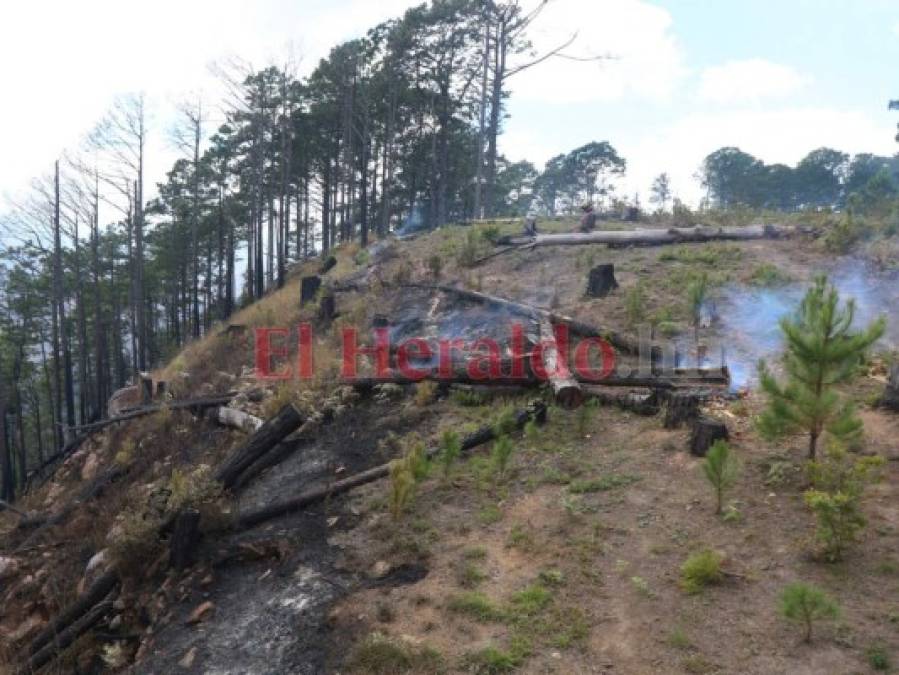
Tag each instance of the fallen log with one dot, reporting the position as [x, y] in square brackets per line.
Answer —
[651, 236]
[536, 411]
[131, 413]
[566, 390]
[68, 635]
[639, 403]
[237, 419]
[81, 606]
[287, 420]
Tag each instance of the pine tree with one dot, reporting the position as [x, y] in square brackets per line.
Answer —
[721, 469]
[822, 352]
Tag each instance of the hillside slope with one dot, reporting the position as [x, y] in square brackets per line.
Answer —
[564, 558]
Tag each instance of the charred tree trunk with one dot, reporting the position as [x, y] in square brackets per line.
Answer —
[601, 281]
[706, 430]
[267, 437]
[890, 399]
[184, 539]
[308, 288]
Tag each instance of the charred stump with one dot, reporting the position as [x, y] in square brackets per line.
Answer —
[308, 288]
[328, 264]
[890, 398]
[327, 308]
[184, 539]
[601, 281]
[706, 430]
[682, 408]
[146, 388]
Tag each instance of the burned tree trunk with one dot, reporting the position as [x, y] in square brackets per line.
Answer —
[327, 308]
[682, 408]
[890, 399]
[185, 536]
[566, 390]
[308, 288]
[146, 388]
[67, 636]
[328, 264]
[268, 436]
[706, 430]
[601, 281]
[237, 419]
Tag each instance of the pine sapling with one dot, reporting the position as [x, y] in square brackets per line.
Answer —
[822, 352]
[451, 448]
[721, 468]
[502, 451]
[804, 604]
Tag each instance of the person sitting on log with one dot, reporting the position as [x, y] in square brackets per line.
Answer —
[530, 225]
[588, 220]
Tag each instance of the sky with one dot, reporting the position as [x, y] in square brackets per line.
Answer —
[685, 77]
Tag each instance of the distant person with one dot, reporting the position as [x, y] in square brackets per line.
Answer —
[530, 225]
[588, 220]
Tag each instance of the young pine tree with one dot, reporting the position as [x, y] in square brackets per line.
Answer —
[805, 603]
[822, 351]
[721, 469]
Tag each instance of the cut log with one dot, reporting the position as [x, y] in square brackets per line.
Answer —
[682, 407]
[146, 388]
[131, 413]
[81, 606]
[287, 420]
[308, 288]
[652, 237]
[601, 281]
[67, 636]
[706, 430]
[184, 539]
[566, 391]
[536, 411]
[640, 403]
[237, 419]
[328, 264]
[890, 399]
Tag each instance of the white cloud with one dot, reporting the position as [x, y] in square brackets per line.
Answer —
[748, 81]
[647, 63]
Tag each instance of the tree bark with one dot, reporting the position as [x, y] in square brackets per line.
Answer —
[601, 281]
[267, 437]
[566, 390]
[706, 430]
[653, 237]
[184, 539]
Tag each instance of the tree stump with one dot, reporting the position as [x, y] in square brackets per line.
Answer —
[706, 430]
[890, 398]
[601, 281]
[146, 388]
[308, 288]
[327, 308]
[161, 388]
[682, 407]
[328, 264]
[183, 542]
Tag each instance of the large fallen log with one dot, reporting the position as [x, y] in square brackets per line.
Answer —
[95, 594]
[131, 413]
[536, 411]
[68, 635]
[651, 236]
[566, 390]
[287, 420]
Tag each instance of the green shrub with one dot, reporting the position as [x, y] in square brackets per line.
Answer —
[878, 658]
[476, 605]
[492, 661]
[701, 569]
[450, 449]
[721, 469]
[769, 275]
[635, 304]
[840, 480]
[468, 398]
[435, 266]
[502, 451]
[804, 604]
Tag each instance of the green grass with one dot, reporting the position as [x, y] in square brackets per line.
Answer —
[706, 254]
[530, 601]
[477, 606]
[678, 639]
[493, 661]
[608, 482]
[769, 275]
[701, 569]
[377, 655]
